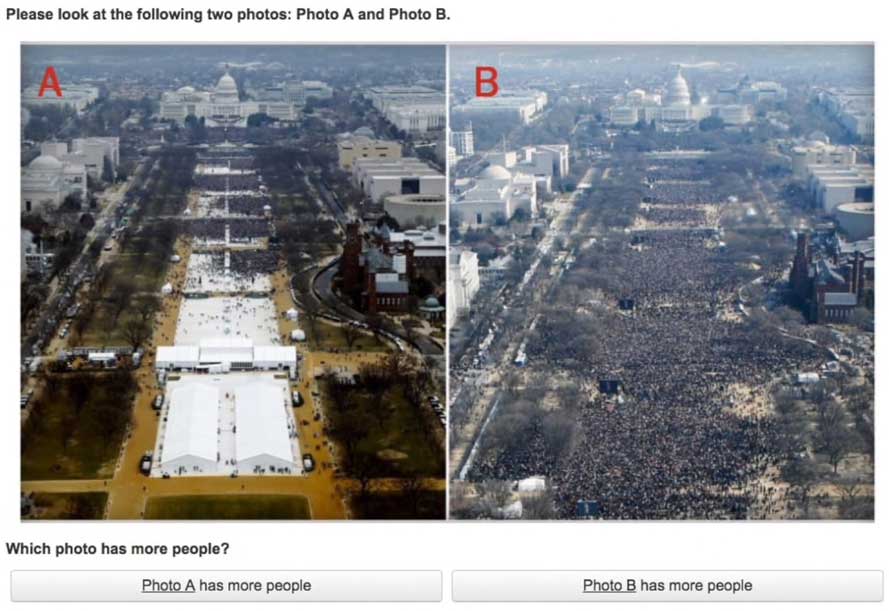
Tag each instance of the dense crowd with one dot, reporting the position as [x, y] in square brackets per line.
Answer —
[681, 192]
[227, 182]
[241, 204]
[207, 229]
[675, 215]
[248, 229]
[253, 262]
[677, 442]
[676, 170]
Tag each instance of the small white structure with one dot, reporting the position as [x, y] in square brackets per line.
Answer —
[106, 359]
[292, 314]
[297, 335]
[167, 289]
[807, 378]
[189, 437]
[531, 485]
[262, 442]
[513, 511]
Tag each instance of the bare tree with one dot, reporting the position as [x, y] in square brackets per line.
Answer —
[802, 475]
[147, 306]
[120, 297]
[351, 333]
[136, 331]
[834, 437]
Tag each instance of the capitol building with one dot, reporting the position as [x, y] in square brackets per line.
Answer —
[222, 106]
[675, 110]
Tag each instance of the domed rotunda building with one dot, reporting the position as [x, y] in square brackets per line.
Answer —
[222, 105]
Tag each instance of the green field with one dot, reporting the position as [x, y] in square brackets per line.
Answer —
[63, 441]
[68, 506]
[401, 441]
[228, 507]
[328, 337]
[145, 275]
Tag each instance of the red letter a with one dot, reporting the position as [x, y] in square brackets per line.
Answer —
[486, 75]
[50, 81]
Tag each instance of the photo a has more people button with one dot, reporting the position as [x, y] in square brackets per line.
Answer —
[227, 586]
[667, 586]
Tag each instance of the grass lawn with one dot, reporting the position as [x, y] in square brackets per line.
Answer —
[401, 441]
[96, 334]
[58, 443]
[146, 276]
[228, 507]
[425, 505]
[68, 506]
[331, 337]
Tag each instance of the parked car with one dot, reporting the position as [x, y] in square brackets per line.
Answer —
[296, 398]
[308, 462]
[158, 401]
[145, 463]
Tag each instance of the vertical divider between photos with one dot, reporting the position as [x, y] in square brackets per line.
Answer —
[447, 338]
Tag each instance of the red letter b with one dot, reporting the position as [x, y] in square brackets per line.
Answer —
[486, 75]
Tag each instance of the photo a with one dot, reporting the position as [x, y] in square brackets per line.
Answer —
[232, 282]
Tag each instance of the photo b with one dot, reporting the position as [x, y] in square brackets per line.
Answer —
[661, 282]
[232, 283]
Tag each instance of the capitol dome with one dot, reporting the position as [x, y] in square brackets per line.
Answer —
[46, 163]
[495, 172]
[677, 91]
[227, 88]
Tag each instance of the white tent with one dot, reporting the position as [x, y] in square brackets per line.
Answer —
[297, 335]
[292, 314]
[263, 438]
[167, 289]
[532, 484]
[275, 357]
[190, 443]
[512, 511]
[177, 357]
[227, 350]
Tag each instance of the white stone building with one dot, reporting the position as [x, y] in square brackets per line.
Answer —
[222, 105]
[494, 192]
[410, 108]
[47, 181]
[362, 147]
[463, 282]
[380, 178]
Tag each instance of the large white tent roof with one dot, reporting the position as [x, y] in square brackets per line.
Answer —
[231, 349]
[178, 354]
[192, 423]
[274, 354]
[262, 422]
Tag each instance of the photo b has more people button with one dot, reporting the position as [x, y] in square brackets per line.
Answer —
[667, 586]
[226, 586]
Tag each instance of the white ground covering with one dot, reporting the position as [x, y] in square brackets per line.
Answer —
[254, 425]
[205, 276]
[227, 317]
[190, 443]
